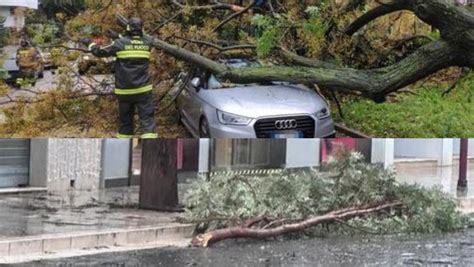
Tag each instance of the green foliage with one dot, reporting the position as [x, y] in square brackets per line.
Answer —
[269, 30]
[427, 114]
[435, 34]
[43, 33]
[3, 74]
[70, 7]
[295, 195]
[4, 33]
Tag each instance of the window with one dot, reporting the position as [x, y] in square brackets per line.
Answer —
[246, 154]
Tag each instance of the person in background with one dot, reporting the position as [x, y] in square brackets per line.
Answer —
[28, 60]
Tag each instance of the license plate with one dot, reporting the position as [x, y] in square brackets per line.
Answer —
[288, 135]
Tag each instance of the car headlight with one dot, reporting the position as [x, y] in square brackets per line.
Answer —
[323, 113]
[227, 118]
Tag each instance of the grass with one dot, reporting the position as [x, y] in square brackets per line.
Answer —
[427, 114]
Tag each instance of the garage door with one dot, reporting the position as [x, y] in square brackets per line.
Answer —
[14, 162]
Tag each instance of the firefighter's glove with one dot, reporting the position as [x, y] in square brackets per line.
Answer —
[112, 34]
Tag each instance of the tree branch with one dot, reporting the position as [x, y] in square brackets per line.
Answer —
[215, 236]
[233, 16]
[373, 14]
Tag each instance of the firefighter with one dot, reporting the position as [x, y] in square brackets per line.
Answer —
[132, 78]
[28, 60]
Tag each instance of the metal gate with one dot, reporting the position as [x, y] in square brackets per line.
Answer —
[116, 162]
[14, 162]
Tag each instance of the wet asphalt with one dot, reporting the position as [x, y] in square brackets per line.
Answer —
[453, 249]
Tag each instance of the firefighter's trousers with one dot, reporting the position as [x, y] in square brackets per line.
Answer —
[144, 104]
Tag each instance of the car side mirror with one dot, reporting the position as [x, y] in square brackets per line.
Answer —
[196, 83]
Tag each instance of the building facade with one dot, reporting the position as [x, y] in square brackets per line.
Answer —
[91, 164]
[219, 155]
[14, 12]
[62, 164]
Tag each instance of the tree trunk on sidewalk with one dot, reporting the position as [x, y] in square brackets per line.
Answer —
[159, 182]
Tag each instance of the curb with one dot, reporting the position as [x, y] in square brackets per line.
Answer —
[26, 190]
[44, 245]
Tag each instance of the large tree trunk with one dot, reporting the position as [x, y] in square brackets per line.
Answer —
[456, 48]
[159, 182]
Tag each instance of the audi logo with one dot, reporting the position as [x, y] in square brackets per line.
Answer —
[286, 124]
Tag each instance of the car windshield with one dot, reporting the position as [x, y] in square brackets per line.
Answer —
[215, 83]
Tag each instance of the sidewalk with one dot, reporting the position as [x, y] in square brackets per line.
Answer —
[429, 175]
[42, 225]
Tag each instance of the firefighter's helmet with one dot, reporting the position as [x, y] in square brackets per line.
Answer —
[23, 43]
[135, 25]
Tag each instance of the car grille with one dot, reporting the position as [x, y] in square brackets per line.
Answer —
[265, 127]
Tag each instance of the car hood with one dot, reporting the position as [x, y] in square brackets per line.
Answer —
[264, 101]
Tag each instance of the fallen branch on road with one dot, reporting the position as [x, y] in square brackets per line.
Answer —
[347, 196]
[207, 239]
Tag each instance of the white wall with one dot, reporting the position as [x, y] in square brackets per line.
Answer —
[12, 21]
[383, 151]
[24, 3]
[417, 148]
[57, 162]
[436, 149]
[204, 155]
[457, 147]
[302, 153]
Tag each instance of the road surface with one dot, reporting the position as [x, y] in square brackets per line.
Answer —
[455, 249]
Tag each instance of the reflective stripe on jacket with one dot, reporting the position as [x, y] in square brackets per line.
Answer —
[132, 66]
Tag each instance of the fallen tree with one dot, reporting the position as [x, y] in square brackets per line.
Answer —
[215, 236]
[346, 196]
[455, 48]
[338, 47]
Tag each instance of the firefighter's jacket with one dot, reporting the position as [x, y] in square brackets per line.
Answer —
[132, 75]
[28, 58]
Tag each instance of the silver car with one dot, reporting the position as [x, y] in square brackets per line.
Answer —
[210, 108]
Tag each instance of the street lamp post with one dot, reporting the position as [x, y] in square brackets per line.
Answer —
[462, 182]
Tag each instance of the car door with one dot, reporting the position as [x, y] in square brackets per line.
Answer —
[196, 103]
[190, 103]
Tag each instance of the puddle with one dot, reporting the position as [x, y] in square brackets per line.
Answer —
[43, 213]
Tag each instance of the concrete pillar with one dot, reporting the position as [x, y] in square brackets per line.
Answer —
[383, 151]
[302, 153]
[445, 157]
[204, 156]
[39, 163]
[59, 163]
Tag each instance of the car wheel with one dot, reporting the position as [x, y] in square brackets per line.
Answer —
[204, 131]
